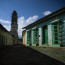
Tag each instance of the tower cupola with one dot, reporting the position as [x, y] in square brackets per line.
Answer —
[14, 17]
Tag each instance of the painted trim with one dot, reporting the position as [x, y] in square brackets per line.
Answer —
[55, 20]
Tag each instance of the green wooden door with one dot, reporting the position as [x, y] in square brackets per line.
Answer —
[46, 35]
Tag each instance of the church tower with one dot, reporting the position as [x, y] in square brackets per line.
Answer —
[14, 27]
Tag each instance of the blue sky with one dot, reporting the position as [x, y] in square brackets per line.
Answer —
[28, 11]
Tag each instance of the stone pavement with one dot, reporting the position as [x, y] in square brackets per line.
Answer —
[22, 55]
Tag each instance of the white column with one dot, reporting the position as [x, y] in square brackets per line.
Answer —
[40, 36]
[63, 33]
[49, 34]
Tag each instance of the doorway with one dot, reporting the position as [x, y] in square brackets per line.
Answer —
[45, 34]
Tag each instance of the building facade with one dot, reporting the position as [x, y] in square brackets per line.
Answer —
[14, 27]
[47, 31]
[24, 37]
[5, 37]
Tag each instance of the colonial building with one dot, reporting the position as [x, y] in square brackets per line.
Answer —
[14, 27]
[10, 38]
[5, 37]
[47, 31]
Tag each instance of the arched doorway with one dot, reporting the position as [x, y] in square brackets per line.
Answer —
[45, 34]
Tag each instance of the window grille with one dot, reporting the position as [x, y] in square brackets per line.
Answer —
[56, 32]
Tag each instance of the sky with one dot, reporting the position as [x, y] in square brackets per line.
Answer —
[28, 11]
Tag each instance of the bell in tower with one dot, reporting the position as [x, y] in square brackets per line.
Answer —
[14, 27]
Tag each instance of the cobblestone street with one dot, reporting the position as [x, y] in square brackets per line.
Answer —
[22, 55]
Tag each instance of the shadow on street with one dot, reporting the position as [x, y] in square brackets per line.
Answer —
[22, 55]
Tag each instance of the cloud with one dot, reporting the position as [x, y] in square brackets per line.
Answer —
[20, 25]
[4, 21]
[6, 24]
[8, 27]
[47, 12]
[22, 22]
[31, 19]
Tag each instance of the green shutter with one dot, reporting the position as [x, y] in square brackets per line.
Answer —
[28, 37]
[35, 36]
[56, 32]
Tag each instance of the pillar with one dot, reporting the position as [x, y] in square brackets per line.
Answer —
[40, 36]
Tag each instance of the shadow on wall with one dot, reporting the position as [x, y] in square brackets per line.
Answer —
[22, 55]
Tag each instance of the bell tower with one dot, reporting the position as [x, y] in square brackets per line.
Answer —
[14, 27]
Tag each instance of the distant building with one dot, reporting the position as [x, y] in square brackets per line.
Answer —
[5, 37]
[24, 37]
[14, 27]
[19, 41]
[47, 31]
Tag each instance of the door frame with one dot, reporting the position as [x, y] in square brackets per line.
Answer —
[43, 34]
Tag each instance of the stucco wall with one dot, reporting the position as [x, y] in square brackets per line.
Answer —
[7, 38]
